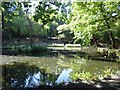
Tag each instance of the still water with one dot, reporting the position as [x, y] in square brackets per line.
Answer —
[57, 64]
[61, 66]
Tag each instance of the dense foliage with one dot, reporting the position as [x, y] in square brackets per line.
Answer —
[92, 22]
[97, 21]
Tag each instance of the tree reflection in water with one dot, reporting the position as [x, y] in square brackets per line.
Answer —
[14, 76]
[22, 75]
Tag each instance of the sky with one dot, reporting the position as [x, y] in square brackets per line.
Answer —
[35, 3]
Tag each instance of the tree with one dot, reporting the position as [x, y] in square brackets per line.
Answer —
[93, 19]
[65, 34]
[44, 13]
[10, 10]
[19, 25]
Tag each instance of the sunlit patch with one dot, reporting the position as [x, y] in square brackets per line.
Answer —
[98, 86]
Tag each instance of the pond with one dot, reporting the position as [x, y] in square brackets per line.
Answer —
[60, 68]
[57, 64]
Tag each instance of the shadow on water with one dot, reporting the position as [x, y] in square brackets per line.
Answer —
[23, 75]
[39, 51]
[14, 75]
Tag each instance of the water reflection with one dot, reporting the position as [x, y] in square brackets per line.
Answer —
[14, 76]
[64, 76]
[22, 75]
[57, 64]
[33, 81]
[56, 70]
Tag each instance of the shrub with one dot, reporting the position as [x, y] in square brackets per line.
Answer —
[39, 49]
[25, 49]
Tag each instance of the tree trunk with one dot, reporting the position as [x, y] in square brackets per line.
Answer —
[43, 26]
[3, 26]
[95, 41]
[112, 40]
[18, 31]
[108, 26]
[30, 31]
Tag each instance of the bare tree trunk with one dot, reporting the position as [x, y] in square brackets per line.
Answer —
[112, 40]
[3, 26]
[30, 31]
[18, 31]
[95, 41]
[108, 26]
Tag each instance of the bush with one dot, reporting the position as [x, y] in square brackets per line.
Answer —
[6, 35]
[24, 49]
[39, 50]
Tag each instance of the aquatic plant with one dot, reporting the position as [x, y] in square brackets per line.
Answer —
[105, 73]
[26, 49]
[81, 75]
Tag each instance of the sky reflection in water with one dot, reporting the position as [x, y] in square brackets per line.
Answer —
[35, 80]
